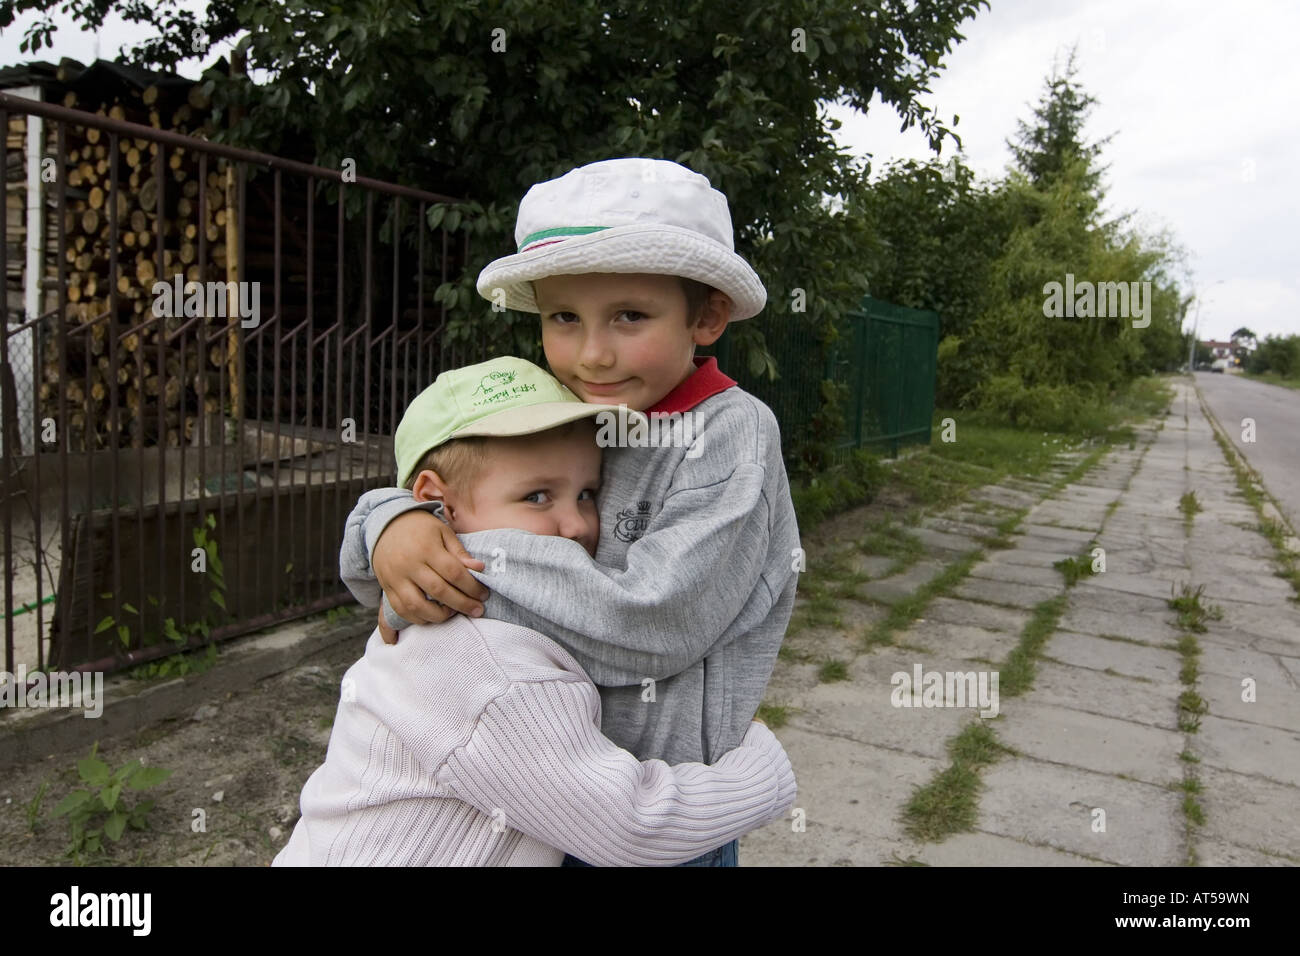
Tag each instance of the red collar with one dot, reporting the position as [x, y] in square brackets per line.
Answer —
[705, 382]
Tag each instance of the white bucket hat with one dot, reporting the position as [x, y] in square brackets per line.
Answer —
[625, 215]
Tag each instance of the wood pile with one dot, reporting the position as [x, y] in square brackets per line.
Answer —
[157, 211]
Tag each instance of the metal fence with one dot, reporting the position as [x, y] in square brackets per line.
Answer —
[182, 474]
[888, 360]
[885, 358]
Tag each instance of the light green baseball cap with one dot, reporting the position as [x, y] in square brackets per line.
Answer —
[501, 397]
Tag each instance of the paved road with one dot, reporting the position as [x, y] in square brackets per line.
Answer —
[1275, 454]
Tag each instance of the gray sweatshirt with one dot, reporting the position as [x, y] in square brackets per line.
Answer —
[679, 618]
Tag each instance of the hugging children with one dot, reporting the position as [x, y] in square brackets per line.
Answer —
[476, 741]
[679, 614]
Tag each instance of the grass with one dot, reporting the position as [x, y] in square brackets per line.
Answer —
[986, 451]
[822, 587]
[1190, 651]
[1273, 379]
[892, 540]
[1191, 708]
[1074, 568]
[1017, 674]
[775, 716]
[32, 810]
[909, 608]
[832, 670]
[1192, 614]
[1190, 507]
[949, 803]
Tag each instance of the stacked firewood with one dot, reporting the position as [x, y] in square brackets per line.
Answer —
[157, 396]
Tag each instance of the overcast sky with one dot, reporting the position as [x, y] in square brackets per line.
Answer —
[1202, 100]
[1200, 97]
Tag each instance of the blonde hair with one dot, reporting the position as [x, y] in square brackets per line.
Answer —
[458, 462]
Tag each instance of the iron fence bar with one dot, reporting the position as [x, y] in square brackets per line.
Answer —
[114, 415]
[160, 169]
[9, 399]
[311, 381]
[64, 530]
[275, 391]
[368, 319]
[338, 371]
[397, 300]
[232, 153]
[240, 385]
[201, 361]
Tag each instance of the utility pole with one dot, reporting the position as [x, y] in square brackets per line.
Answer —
[1196, 326]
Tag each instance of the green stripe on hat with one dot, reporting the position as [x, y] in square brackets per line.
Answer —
[559, 231]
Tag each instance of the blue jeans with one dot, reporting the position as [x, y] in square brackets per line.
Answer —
[724, 855]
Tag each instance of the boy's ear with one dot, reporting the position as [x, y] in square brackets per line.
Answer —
[429, 486]
[713, 318]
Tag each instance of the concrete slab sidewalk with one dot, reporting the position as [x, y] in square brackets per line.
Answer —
[1103, 767]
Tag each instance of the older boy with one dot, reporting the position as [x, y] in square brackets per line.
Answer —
[631, 265]
[477, 742]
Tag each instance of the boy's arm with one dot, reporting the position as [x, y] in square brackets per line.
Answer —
[367, 523]
[688, 579]
[537, 757]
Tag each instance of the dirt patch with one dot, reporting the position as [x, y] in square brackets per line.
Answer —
[242, 760]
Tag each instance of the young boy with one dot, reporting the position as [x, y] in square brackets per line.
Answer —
[631, 265]
[477, 742]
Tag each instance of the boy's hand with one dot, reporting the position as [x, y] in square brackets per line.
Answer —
[386, 632]
[426, 558]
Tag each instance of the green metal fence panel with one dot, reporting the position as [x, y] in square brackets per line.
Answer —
[886, 357]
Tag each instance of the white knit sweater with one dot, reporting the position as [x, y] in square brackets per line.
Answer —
[478, 743]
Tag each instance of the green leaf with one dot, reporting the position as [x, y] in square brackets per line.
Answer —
[108, 796]
[147, 777]
[124, 634]
[105, 624]
[219, 600]
[114, 826]
[72, 801]
[94, 771]
[130, 607]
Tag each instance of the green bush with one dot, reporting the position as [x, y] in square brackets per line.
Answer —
[852, 483]
[1276, 354]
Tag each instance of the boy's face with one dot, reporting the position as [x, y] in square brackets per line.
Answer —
[622, 339]
[544, 483]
